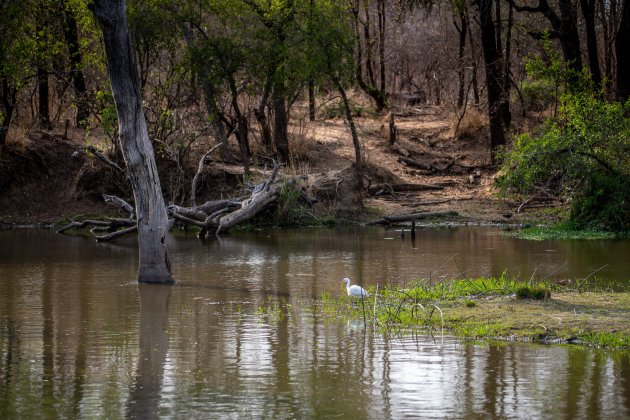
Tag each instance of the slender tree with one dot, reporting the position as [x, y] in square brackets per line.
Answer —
[77, 80]
[154, 264]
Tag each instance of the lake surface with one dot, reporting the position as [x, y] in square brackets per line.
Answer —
[80, 339]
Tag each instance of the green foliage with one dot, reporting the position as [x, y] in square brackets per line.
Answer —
[565, 230]
[490, 308]
[289, 210]
[109, 118]
[536, 292]
[581, 154]
[470, 303]
[337, 110]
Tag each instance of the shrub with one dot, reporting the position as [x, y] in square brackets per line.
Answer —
[538, 292]
[582, 154]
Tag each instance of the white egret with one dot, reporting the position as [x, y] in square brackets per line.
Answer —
[355, 290]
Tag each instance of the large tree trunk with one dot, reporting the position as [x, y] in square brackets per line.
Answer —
[241, 124]
[43, 113]
[493, 75]
[214, 115]
[154, 264]
[623, 58]
[9, 94]
[368, 87]
[462, 30]
[358, 160]
[261, 117]
[281, 124]
[588, 11]
[71, 34]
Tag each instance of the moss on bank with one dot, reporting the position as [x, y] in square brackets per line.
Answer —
[490, 308]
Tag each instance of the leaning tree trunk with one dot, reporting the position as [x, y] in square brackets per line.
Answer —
[154, 265]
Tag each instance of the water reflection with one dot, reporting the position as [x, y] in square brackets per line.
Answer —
[79, 339]
[146, 390]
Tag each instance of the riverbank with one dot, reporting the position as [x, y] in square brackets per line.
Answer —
[47, 176]
[497, 309]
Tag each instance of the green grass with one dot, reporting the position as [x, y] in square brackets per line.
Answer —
[495, 308]
[563, 231]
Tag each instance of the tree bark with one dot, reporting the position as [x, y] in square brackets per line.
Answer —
[623, 58]
[154, 262]
[588, 11]
[77, 80]
[358, 160]
[281, 124]
[9, 94]
[241, 124]
[43, 112]
[462, 30]
[493, 75]
[261, 117]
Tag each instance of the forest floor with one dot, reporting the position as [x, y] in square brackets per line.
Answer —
[46, 177]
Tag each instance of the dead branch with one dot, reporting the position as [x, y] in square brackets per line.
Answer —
[119, 202]
[202, 163]
[80, 225]
[106, 160]
[117, 234]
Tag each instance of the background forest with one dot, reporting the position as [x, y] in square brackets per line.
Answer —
[547, 80]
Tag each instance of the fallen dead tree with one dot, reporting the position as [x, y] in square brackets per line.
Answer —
[216, 216]
[221, 216]
[114, 227]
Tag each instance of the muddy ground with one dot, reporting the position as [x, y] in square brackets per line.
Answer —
[46, 176]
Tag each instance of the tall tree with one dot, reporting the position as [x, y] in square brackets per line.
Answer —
[563, 27]
[77, 80]
[363, 50]
[11, 64]
[154, 264]
[623, 58]
[588, 11]
[494, 74]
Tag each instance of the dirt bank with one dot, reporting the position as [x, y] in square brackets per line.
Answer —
[45, 177]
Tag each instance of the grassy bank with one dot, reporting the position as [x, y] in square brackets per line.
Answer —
[497, 308]
[564, 231]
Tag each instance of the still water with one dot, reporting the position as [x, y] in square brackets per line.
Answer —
[80, 339]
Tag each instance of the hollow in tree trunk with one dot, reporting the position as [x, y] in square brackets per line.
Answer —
[154, 264]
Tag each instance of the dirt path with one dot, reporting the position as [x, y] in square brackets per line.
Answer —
[424, 135]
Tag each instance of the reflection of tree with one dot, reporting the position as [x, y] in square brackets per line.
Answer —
[145, 393]
[48, 334]
[495, 377]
